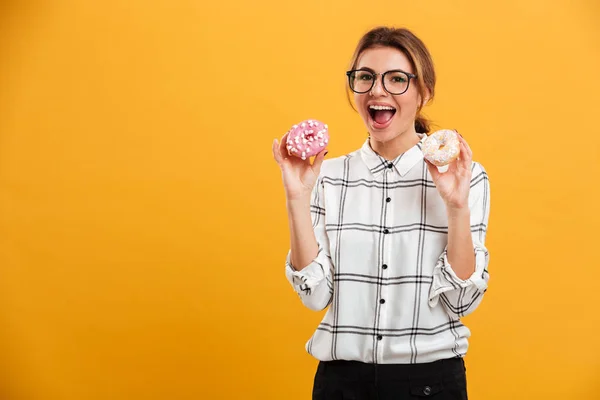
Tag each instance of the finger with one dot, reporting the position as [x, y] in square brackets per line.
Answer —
[283, 147]
[465, 156]
[277, 151]
[319, 161]
[433, 171]
[452, 168]
[467, 147]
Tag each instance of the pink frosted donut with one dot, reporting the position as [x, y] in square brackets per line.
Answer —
[441, 147]
[307, 139]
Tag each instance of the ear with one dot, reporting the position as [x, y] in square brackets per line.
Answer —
[425, 99]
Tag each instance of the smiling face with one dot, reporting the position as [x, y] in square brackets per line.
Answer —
[387, 116]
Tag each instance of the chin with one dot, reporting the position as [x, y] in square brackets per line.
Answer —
[383, 134]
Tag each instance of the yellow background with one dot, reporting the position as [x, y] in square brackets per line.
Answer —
[142, 219]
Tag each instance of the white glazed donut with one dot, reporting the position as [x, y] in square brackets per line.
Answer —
[441, 147]
[308, 138]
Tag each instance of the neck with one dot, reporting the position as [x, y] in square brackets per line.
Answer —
[399, 144]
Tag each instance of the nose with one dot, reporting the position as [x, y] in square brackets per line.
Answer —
[377, 89]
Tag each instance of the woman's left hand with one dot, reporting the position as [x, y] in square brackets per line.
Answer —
[454, 184]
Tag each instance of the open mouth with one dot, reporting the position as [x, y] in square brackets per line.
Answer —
[381, 114]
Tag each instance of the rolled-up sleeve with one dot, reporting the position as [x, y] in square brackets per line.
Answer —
[314, 283]
[461, 297]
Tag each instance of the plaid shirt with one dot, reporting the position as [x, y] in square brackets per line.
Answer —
[382, 230]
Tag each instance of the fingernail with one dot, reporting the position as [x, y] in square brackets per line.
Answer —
[325, 153]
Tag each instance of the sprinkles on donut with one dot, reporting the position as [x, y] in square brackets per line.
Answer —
[307, 138]
[441, 147]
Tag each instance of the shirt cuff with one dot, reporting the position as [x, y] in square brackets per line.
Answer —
[445, 279]
[306, 280]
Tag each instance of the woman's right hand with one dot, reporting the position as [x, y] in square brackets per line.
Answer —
[299, 176]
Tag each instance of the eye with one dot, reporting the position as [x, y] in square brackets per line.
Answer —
[364, 76]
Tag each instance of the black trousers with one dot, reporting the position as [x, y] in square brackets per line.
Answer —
[353, 380]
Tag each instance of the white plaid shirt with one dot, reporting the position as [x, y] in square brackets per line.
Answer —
[382, 230]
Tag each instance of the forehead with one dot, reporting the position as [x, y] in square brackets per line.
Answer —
[381, 59]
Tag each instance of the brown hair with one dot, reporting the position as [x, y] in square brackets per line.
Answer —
[418, 55]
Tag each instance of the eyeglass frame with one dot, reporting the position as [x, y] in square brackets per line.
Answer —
[375, 74]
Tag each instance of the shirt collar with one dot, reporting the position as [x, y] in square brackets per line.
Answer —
[403, 163]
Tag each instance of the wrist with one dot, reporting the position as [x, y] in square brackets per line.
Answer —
[298, 201]
[457, 212]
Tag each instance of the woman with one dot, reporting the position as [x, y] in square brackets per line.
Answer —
[394, 247]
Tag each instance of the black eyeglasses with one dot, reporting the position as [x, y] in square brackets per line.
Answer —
[394, 82]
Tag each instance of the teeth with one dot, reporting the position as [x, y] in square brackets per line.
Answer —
[379, 108]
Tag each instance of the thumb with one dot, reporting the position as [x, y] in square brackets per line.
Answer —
[277, 152]
[433, 171]
[319, 161]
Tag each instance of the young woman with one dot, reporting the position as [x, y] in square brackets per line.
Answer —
[394, 247]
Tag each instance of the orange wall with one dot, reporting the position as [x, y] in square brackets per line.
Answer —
[142, 219]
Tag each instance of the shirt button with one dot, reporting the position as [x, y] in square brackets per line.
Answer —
[384, 266]
[426, 390]
[390, 165]
[386, 231]
[382, 301]
[388, 199]
[379, 337]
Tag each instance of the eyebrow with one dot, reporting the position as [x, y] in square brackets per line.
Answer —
[373, 71]
[366, 69]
